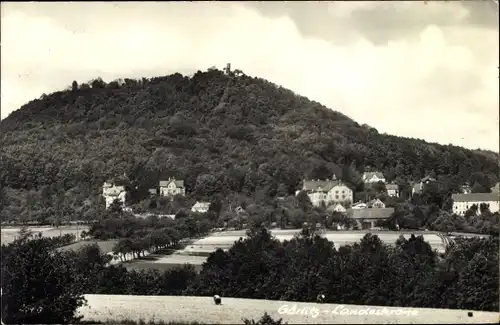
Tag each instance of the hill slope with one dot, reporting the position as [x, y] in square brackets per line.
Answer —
[234, 310]
[218, 132]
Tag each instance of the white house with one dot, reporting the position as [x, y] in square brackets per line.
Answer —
[376, 204]
[373, 177]
[172, 187]
[336, 208]
[201, 207]
[327, 191]
[110, 192]
[463, 202]
[392, 190]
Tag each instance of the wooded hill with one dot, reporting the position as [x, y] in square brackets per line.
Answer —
[221, 133]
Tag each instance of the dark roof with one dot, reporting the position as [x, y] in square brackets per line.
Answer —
[475, 197]
[319, 185]
[427, 178]
[371, 213]
[368, 175]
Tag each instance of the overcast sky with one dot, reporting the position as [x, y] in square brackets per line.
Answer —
[405, 68]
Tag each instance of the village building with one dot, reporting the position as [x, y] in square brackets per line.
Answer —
[368, 218]
[376, 204]
[327, 191]
[463, 202]
[419, 186]
[147, 215]
[465, 189]
[111, 192]
[172, 187]
[392, 190]
[336, 208]
[373, 177]
[201, 207]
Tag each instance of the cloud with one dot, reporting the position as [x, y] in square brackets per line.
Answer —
[434, 76]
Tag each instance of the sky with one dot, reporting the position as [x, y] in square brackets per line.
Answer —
[427, 71]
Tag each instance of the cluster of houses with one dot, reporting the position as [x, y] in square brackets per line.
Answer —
[168, 188]
[335, 195]
[338, 197]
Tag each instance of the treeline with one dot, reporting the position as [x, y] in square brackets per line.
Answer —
[35, 276]
[236, 137]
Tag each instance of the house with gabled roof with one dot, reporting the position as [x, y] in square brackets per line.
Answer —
[336, 208]
[463, 202]
[112, 192]
[201, 207]
[327, 191]
[373, 177]
[376, 203]
[392, 190]
[172, 187]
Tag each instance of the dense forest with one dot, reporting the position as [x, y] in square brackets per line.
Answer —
[43, 284]
[231, 136]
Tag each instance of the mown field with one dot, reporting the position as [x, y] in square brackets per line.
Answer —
[9, 234]
[233, 310]
[106, 246]
[340, 238]
[197, 251]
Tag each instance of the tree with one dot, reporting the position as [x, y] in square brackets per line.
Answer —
[39, 284]
[116, 207]
[304, 201]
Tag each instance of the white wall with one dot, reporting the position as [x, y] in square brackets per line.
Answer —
[461, 207]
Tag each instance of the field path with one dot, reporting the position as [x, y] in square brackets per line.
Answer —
[233, 310]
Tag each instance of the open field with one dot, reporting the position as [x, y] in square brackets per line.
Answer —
[106, 246]
[233, 310]
[197, 251]
[9, 234]
[340, 238]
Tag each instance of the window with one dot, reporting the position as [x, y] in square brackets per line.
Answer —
[336, 197]
[336, 192]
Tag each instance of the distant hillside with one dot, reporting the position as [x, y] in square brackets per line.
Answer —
[220, 133]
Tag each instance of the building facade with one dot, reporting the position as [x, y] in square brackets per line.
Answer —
[201, 207]
[377, 204]
[328, 192]
[110, 192]
[172, 187]
[373, 177]
[392, 190]
[463, 202]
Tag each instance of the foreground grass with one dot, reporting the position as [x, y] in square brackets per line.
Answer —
[140, 322]
[265, 320]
